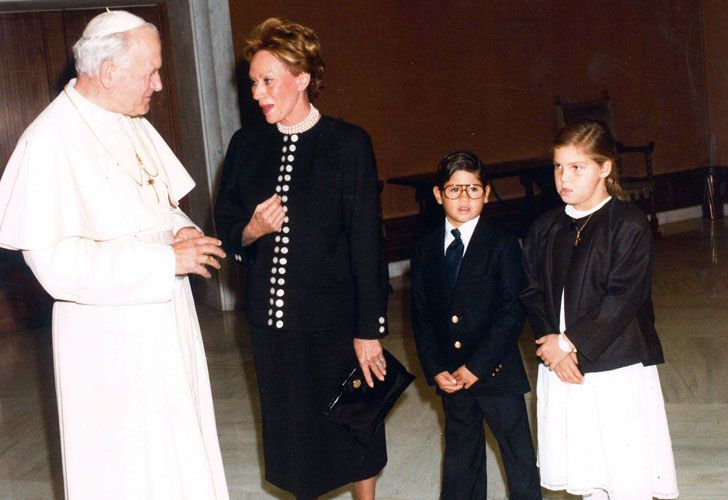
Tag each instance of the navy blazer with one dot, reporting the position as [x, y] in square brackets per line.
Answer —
[606, 282]
[477, 321]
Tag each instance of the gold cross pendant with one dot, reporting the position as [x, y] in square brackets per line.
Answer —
[150, 181]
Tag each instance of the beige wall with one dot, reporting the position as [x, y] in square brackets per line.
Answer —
[424, 77]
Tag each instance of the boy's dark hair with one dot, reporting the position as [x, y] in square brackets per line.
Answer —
[458, 160]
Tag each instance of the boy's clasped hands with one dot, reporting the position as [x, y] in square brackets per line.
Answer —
[462, 378]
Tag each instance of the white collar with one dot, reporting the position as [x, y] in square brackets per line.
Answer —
[466, 232]
[578, 214]
[89, 108]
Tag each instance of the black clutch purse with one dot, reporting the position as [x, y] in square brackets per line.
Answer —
[360, 409]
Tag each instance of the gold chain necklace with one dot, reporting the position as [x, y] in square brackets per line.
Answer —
[140, 163]
[580, 229]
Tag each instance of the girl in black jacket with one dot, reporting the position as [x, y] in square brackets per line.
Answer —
[602, 431]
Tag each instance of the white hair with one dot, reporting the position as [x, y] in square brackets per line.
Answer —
[90, 52]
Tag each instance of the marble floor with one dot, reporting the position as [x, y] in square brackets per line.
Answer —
[691, 301]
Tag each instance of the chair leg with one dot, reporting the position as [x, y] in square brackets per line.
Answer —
[654, 224]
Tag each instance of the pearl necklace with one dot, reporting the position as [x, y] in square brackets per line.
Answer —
[300, 127]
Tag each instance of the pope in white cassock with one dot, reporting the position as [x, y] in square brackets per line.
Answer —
[90, 196]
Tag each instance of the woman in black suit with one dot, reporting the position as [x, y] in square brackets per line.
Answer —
[602, 431]
[299, 206]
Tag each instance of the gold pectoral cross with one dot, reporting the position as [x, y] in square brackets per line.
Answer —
[150, 181]
[144, 171]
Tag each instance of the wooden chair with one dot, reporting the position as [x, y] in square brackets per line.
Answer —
[639, 188]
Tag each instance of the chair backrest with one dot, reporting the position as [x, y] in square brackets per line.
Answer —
[568, 112]
[638, 187]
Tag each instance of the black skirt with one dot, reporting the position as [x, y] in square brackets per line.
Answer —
[298, 373]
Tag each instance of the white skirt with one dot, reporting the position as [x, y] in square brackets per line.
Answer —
[609, 433]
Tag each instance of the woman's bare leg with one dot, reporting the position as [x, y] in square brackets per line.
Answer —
[364, 490]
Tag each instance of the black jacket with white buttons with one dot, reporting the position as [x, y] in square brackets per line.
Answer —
[326, 269]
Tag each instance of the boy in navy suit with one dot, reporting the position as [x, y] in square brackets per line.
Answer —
[466, 316]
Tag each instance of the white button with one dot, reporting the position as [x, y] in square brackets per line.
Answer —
[238, 258]
[285, 138]
[285, 187]
[287, 177]
[284, 198]
[270, 322]
[381, 329]
[290, 158]
[279, 324]
[272, 291]
[293, 147]
[285, 240]
[278, 239]
[381, 320]
[273, 270]
[282, 270]
[284, 149]
[284, 250]
[455, 319]
[286, 229]
[283, 158]
[289, 168]
[279, 302]
[278, 189]
[275, 260]
[279, 314]
[285, 208]
[280, 178]
[285, 219]
[281, 281]
[280, 293]
[457, 344]
[294, 138]
[284, 261]
[282, 168]
[276, 249]
[271, 301]
[270, 312]
[272, 281]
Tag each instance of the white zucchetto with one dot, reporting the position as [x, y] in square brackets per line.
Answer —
[112, 21]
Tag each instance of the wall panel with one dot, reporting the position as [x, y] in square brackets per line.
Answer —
[425, 77]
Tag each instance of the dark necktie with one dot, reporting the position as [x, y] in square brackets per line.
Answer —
[453, 256]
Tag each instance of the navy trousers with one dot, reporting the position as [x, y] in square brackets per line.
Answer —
[464, 476]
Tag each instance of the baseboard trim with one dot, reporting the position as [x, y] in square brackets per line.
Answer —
[679, 214]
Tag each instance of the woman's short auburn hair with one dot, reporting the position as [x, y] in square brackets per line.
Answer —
[295, 45]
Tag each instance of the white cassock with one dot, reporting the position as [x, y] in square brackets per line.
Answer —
[134, 400]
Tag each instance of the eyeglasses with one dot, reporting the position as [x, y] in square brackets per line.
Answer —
[453, 191]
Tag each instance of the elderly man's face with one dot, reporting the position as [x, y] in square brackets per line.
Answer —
[136, 77]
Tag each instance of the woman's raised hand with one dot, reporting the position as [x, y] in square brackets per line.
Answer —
[267, 218]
